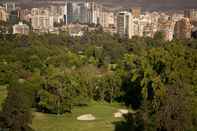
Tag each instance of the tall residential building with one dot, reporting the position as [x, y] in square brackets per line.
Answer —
[109, 19]
[57, 12]
[76, 12]
[148, 30]
[177, 16]
[183, 29]
[73, 12]
[65, 13]
[125, 24]
[25, 15]
[191, 14]
[138, 27]
[140, 23]
[10, 6]
[167, 28]
[83, 12]
[69, 15]
[154, 16]
[21, 29]
[91, 14]
[41, 20]
[98, 17]
[163, 17]
[3, 14]
[87, 11]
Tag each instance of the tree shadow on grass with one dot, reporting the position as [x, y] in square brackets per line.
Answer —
[132, 122]
[122, 126]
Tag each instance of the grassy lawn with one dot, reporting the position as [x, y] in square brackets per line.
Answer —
[67, 122]
[102, 111]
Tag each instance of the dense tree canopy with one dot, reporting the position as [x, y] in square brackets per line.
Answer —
[158, 79]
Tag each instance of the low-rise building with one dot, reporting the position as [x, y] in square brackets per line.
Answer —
[76, 30]
[21, 29]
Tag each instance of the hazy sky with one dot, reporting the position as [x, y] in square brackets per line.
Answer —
[148, 4]
[159, 1]
[156, 4]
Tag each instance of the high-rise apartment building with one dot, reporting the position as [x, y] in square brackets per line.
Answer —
[183, 29]
[41, 20]
[57, 12]
[98, 17]
[140, 23]
[87, 11]
[191, 14]
[25, 15]
[3, 14]
[138, 27]
[167, 28]
[76, 12]
[69, 12]
[91, 14]
[83, 12]
[109, 19]
[10, 6]
[125, 24]
[148, 30]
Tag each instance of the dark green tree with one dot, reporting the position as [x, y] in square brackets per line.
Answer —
[16, 113]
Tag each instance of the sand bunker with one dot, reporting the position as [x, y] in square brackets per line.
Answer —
[120, 113]
[86, 117]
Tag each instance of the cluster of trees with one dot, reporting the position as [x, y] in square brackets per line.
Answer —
[164, 80]
[55, 73]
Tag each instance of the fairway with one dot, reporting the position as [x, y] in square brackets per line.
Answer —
[68, 122]
[102, 111]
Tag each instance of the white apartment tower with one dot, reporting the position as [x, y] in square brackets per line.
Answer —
[125, 24]
[41, 20]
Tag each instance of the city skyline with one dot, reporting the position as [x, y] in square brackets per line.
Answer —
[126, 22]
